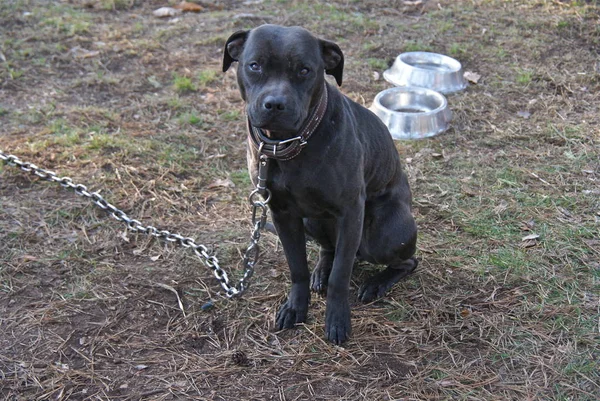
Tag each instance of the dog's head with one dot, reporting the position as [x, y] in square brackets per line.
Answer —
[281, 73]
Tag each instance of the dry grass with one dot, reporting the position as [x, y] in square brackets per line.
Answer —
[135, 106]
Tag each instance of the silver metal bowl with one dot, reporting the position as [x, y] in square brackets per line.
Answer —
[427, 70]
[412, 113]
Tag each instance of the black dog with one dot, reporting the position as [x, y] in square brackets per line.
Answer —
[334, 173]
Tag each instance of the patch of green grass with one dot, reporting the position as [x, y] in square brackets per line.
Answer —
[445, 26]
[456, 49]
[508, 177]
[437, 374]
[190, 118]
[584, 3]
[138, 27]
[60, 47]
[335, 15]
[240, 178]
[371, 46]
[377, 63]
[230, 115]
[416, 46]
[212, 40]
[568, 133]
[206, 77]
[162, 35]
[501, 53]
[14, 73]
[183, 84]
[60, 126]
[59, 217]
[176, 103]
[178, 154]
[101, 141]
[524, 77]
[69, 139]
[25, 52]
[66, 20]
[116, 4]
[40, 61]
[63, 133]
[113, 144]
[511, 258]
[490, 227]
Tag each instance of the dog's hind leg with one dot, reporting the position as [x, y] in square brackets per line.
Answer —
[378, 285]
[320, 275]
[322, 231]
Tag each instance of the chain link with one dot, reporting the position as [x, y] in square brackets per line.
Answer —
[251, 256]
[259, 217]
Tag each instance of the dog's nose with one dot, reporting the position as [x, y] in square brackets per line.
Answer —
[274, 103]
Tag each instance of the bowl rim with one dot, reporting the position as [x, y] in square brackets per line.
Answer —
[452, 63]
[395, 76]
[412, 89]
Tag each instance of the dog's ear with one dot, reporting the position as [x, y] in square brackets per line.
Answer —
[233, 48]
[334, 60]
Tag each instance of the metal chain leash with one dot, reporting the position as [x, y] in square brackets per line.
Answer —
[251, 256]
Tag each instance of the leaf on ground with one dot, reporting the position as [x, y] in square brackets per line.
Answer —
[472, 77]
[527, 225]
[530, 237]
[174, 291]
[81, 53]
[186, 6]
[529, 241]
[165, 12]
[226, 183]
[501, 207]
[154, 81]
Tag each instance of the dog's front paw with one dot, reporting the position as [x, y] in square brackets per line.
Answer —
[289, 314]
[337, 323]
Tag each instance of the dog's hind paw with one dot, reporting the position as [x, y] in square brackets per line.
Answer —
[378, 285]
[320, 276]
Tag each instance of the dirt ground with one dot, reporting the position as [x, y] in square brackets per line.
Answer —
[505, 304]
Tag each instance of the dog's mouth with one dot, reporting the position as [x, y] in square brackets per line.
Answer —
[279, 127]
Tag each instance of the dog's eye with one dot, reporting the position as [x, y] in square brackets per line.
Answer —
[254, 66]
[304, 72]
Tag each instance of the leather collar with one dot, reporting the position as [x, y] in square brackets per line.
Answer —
[289, 148]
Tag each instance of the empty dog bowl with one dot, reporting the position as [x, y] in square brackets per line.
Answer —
[427, 70]
[412, 113]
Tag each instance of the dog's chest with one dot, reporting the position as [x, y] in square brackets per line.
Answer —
[310, 192]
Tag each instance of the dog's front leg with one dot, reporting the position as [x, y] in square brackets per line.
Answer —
[349, 232]
[290, 229]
